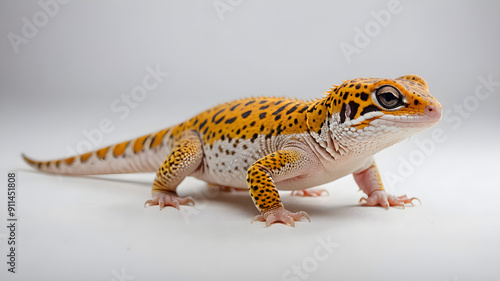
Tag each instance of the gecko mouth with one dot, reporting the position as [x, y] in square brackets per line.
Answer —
[431, 115]
[404, 119]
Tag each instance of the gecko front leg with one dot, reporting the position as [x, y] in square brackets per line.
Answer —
[184, 159]
[262, 178]
[370, 182]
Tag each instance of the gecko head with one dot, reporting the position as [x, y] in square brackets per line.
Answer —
[366, 115]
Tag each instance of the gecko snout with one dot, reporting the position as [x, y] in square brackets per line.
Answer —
[433, 112]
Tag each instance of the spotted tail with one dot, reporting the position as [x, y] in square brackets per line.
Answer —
[143, 154]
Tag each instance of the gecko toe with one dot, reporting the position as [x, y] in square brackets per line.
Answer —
[282, 216]
[168, 199]
[385, 200]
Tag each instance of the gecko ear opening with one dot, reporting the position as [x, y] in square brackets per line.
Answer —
[414, 78]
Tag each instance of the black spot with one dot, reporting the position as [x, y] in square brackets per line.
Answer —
[270, 133]
[320, 111]
[213, 118]
[279, 129]
[238, 132]
[220, 120]
[366, 86]
[304, 109]
[153, 140]
[364, 96]
[342, 113]
[277, 117]
[296, 121]
[358, 86]
[229, 121]
[280, 109]
[195, 122]
[415, 102]
[354, 109]
[292, 109]
[262, 128]
[201, 125]
[249, 103]
[204, 132]
[279, 102]
[368, 109]
[252, 124]
[234, 107]
[245, 114]
[357, 95]
[264, 107]
[345, 96]
[352, 85]
[262, 115]
[255, 136]
[262, 101]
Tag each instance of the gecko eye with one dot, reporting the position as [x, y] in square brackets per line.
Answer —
[389, 97]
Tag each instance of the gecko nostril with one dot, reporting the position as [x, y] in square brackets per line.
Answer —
[433, 111]
[430, 108]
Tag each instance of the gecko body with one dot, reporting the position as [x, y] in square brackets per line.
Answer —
[266, 144]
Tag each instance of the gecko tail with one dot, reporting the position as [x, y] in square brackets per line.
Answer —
[141, 155]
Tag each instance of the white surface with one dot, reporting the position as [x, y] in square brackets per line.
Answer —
[92, 52]
[87, 227]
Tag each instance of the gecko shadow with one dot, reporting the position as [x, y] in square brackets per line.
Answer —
[240, 201]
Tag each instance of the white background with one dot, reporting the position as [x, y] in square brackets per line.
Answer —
[65, 78]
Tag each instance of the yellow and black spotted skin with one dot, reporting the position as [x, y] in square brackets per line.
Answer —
[268, 144]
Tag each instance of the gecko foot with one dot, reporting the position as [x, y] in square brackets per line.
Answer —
[281, 216]
[382, 198]
[164, 199]
[310, 192]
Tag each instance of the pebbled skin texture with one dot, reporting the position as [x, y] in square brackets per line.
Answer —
[266, 144]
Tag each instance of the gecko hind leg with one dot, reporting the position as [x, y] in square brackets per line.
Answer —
[184, 159]
[310, 192]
